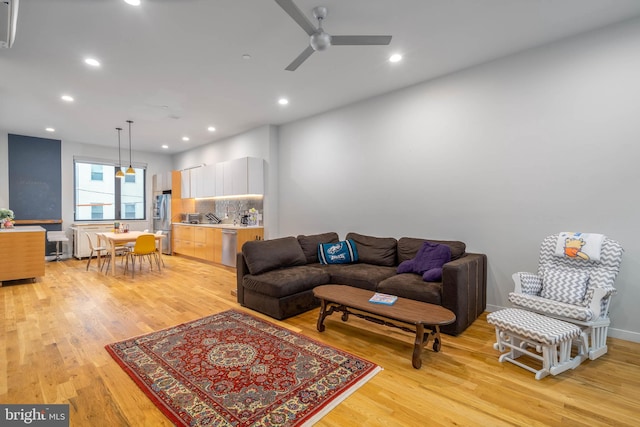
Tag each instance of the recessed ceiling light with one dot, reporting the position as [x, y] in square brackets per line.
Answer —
[246, 56]
[50, 129]
[92, 61]
[185, 138]
[211, 129]
[67, 98]
[133, 2]
[165, 146]
[396, 57]
[283, 101]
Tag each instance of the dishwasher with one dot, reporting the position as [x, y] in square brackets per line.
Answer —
[229, 247]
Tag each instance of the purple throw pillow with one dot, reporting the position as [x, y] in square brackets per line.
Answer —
[429, 256]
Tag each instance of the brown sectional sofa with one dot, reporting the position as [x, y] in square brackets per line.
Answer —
[276, 277]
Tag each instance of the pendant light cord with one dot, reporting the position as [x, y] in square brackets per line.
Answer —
[130, 171]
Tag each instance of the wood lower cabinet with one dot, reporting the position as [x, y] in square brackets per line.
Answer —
[22, 252]
[205, 243]
[183, 240]
[248, 234]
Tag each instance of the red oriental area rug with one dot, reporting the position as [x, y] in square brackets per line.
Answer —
[232, 369]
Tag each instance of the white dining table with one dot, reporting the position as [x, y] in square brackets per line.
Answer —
[119, 239]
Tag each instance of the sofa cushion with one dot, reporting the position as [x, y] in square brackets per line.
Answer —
[409, 285]
[287, 281]
[344, 252]
[365, 276]
[429, 256]
[266, 255]
[375, 250]
[432, 275]
[408, 247]
[309, 244]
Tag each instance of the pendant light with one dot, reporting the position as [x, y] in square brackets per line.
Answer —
[130, 170]
[119, 173]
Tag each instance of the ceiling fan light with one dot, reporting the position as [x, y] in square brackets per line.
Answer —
[320, 41]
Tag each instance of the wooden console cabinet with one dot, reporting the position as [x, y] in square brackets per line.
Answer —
[22, 253]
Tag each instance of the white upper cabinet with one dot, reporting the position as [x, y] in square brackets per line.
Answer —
[161, 182]
[232, 178]
[197, 182]
[219, 179]
[241, 176]
[185, 183]
[255, 175]
[209, 181]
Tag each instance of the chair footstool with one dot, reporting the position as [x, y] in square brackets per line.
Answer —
[521, 330]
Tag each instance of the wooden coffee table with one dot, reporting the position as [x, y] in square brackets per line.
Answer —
[419, 315]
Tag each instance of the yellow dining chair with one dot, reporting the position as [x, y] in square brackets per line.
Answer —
[145, 246]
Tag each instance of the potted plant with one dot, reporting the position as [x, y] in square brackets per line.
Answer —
[6, 218]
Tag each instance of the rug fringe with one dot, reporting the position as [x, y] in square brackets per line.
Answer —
[340, 398]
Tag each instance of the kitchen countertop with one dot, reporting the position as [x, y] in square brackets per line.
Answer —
[226, 226]
[22, 229]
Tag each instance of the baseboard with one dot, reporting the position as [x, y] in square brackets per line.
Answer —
[613, 332]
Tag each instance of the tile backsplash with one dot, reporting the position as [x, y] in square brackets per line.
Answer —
[228, 208]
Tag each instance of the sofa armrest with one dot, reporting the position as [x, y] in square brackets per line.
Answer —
[241, 270]
[464, 290]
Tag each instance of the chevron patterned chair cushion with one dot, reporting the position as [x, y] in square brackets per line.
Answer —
[531, 283]
[534, 326]
[568, 286]
[551, 307]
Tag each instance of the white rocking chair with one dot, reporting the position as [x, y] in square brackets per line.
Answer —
[589, 310]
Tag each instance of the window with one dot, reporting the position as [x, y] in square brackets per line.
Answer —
[96, 172]
[129, 211]
[97, 211]
[100, 195]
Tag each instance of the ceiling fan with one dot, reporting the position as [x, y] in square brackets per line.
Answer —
[319, 40]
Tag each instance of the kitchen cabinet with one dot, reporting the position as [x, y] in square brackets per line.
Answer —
[22, 251]
[249, 234]
[196, 182]
[183, 240]
[161, 182]
[241, 176]
[208, 181]
[203, 243]
[206, 242]
[185, 184]
[219, 185]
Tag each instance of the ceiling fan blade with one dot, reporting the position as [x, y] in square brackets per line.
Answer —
[300, 59]
[297, 15]
[360, 40]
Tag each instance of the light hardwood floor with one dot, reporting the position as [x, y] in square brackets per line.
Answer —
[53, 333]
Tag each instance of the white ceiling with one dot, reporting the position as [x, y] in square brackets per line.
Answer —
[175, 67]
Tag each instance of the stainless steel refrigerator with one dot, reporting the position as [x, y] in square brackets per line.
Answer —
[162, 220]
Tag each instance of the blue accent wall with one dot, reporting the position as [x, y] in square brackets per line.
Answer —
[35, 180]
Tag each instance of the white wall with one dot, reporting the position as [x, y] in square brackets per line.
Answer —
[260, 142]
[498, 156]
